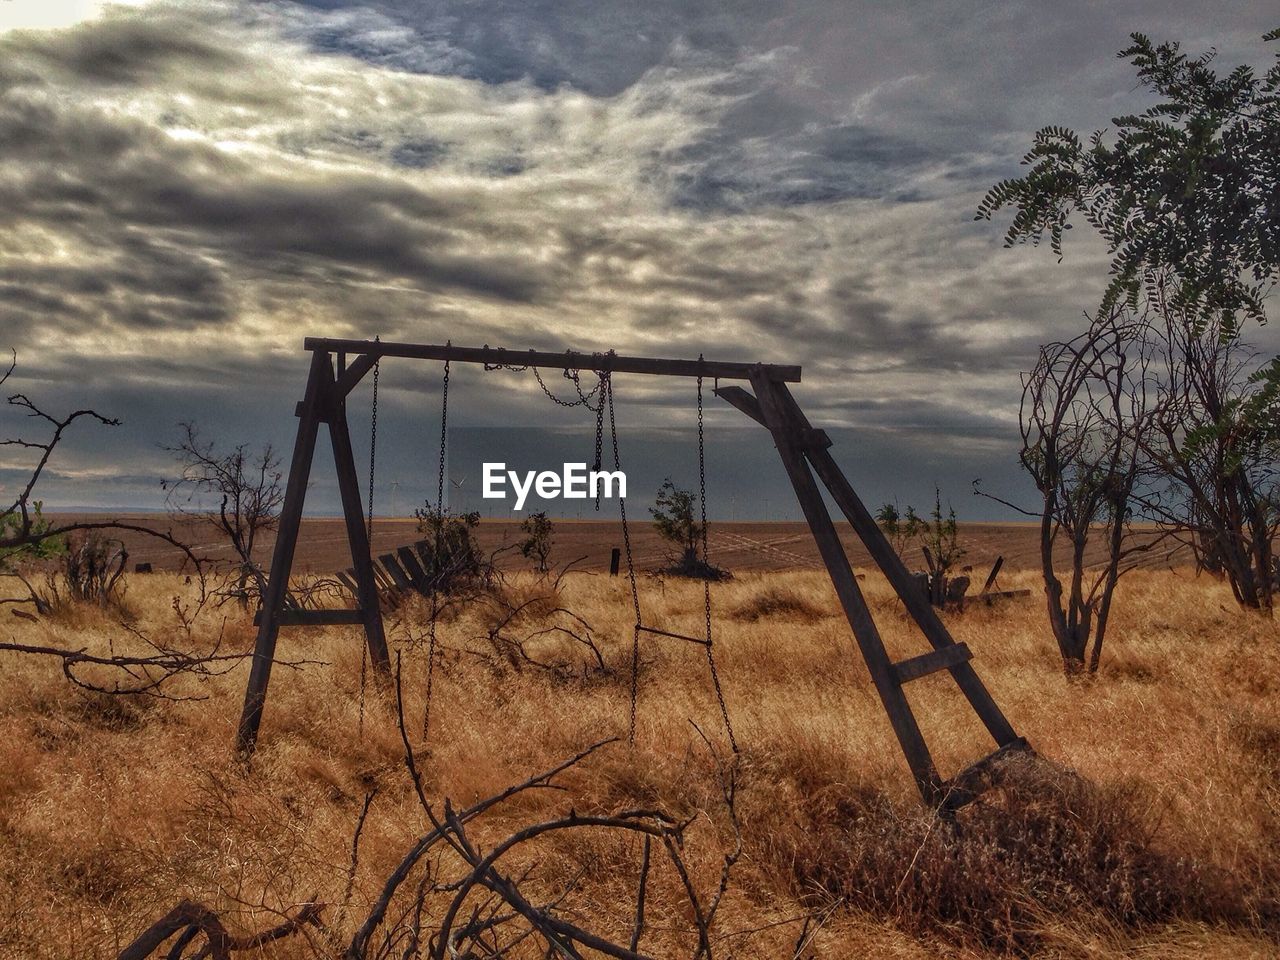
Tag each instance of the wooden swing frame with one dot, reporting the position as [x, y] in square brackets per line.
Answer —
[337, 366]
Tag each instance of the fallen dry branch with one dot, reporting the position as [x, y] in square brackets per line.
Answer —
[467, 904]
[195, 920]
[142, 674]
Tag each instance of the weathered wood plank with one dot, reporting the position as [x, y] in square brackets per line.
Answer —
[415, 569]
[392, 566]
[357, 535]
[887, 559]
[264, 651]
[943, 658]
[995, 596]
[569, 360]
[674, 636]
[995, 572]
[348, 579]
[784, 430]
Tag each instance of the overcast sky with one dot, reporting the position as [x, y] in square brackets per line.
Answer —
[188, 189]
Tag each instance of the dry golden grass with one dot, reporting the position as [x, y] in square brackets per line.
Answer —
[113, 810]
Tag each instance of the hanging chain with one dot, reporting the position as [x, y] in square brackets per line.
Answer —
[373, 449]
[438, 571]
[574, 377]
[706, 573]
[444, 439]
[600, 430]
[606, 397]
[373, 446]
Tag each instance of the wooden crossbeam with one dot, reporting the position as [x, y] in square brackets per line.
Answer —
[568, 360]
[943, 658]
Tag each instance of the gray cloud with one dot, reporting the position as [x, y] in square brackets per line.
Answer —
[187, 190]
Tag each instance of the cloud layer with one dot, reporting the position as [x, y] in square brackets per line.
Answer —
[186, 190]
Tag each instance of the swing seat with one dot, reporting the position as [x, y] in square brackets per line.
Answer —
[397, 573]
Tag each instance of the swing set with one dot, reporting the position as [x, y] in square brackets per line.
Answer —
[337, 366]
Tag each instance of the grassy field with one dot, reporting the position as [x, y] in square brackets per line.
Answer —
[1151, 830]
[740, 546]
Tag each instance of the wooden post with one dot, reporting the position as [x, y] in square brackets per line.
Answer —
[786, 433]
[357, 535]
[896, 572]
[310, 412]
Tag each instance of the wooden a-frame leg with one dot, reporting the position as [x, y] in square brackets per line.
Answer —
[358, 539]
[310, 412]
[785, 432]
[895, 571]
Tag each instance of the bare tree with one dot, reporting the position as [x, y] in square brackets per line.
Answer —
[1085, 421]
[238, 493]
[1215, 446]
[26, 535]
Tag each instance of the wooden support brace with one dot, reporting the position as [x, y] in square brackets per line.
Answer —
[814, 439]
[809, 437]
[743, 401]
[321, 415]
[944, 658]
[784, 427]
[255, 694]
[899, 577]
[347, 379]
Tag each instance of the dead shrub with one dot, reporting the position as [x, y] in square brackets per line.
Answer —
[92, 571]
[1044, 843]
[784, 603]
